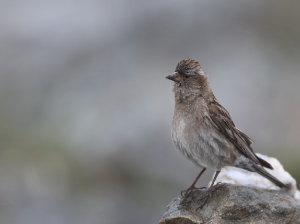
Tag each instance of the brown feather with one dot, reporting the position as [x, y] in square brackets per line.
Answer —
[223, 121]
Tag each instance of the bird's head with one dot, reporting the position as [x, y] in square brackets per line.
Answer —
[188, 70]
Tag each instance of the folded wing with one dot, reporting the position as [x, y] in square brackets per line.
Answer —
[221, 118]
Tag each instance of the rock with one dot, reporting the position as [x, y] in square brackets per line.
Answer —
[234, 204]
[238, 176]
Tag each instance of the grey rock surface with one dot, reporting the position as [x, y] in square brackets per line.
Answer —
[234, 204]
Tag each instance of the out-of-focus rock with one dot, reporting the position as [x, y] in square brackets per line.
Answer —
[234, 204]
[238, 176]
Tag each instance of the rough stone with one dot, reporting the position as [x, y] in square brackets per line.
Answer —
[234, 204]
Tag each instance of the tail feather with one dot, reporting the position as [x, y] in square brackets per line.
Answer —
[264, 163]
[271, 178]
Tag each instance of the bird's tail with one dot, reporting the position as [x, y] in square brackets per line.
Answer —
[271, 178]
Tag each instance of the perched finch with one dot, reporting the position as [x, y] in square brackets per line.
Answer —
[203, 131]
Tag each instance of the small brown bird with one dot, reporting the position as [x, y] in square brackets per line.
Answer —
[203, 131]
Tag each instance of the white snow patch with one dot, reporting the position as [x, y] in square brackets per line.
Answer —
[238, 176]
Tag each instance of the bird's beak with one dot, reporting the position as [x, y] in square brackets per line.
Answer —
[174, 77]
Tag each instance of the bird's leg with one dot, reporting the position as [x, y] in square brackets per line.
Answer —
[208, 193]
[188, 191]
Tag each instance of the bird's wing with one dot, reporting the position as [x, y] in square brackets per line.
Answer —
[220, 116]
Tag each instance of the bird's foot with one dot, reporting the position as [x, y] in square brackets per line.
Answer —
[216, 185]
[205, 198]
[190, 191]
[208, 195]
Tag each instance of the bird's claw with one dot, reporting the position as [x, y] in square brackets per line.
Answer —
[217, 184]
[206, 197]
[190, 191]
[187, 192]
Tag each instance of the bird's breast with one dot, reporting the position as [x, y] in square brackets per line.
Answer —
[198, 140]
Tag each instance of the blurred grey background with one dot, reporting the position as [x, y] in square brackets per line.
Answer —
[86, 110]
